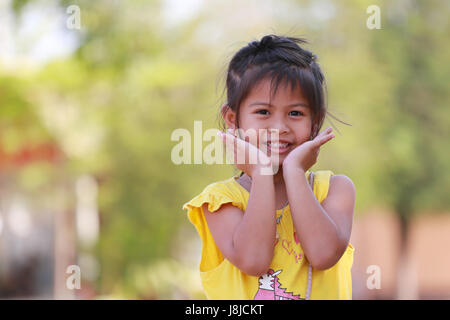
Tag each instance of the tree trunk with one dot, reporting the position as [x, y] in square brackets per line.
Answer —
[407, 284]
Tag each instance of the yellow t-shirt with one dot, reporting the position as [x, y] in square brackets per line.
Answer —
[288, 273]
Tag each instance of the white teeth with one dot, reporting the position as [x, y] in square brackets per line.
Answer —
[278, 145]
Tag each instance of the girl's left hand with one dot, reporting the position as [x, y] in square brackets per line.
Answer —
[305, 155]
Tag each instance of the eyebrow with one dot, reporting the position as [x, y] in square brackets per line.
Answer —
[290, 105]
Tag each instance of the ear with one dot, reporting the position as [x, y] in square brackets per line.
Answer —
[229, 116]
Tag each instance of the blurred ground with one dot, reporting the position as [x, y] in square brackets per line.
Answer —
[375, 237]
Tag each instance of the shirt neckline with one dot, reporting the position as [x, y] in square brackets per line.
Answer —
[248, 193]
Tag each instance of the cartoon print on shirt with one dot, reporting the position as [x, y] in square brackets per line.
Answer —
[269, 288]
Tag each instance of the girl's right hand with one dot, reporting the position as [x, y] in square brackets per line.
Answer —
[247, 157]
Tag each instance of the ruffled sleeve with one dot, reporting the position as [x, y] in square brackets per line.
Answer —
[322, 183]
[215, 195]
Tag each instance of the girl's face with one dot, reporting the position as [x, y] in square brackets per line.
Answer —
[288, 114]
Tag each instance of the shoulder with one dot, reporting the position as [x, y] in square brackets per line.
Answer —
[227, 187]
[216, 194]
[341, 193]
[329, 185]
[342, 184]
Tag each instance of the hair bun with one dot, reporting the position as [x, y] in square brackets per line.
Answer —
[265, 43]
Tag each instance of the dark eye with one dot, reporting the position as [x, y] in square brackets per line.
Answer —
[262, 110]
[298, 112]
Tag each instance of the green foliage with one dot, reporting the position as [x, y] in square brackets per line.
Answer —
[416, 159]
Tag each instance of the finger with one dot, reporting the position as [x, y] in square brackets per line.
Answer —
[236, 146]
[245, 151]
[247, 148]
[241, 150]
[229, 141]
[322, 134]
[322, 140]
[249, 143]
[325, 132]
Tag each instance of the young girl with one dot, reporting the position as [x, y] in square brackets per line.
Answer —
[285, 235]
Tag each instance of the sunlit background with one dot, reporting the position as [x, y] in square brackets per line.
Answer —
[91, 91]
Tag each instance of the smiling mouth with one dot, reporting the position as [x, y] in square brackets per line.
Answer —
[278, 144]
[278, 147]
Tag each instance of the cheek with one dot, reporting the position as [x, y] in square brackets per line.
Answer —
[250, 136]
[308, 129]
[304, 134]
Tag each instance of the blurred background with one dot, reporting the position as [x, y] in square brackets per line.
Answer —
[91, 91]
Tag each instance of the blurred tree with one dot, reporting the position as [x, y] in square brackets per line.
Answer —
[112, 107]
[414, 168]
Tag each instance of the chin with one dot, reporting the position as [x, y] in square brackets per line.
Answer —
[279, 162]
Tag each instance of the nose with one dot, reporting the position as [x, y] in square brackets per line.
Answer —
[278, 126]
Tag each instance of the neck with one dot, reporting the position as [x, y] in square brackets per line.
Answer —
[280, 187]
[278, 178]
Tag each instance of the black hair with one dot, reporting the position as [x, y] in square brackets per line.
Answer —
[280, 58]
